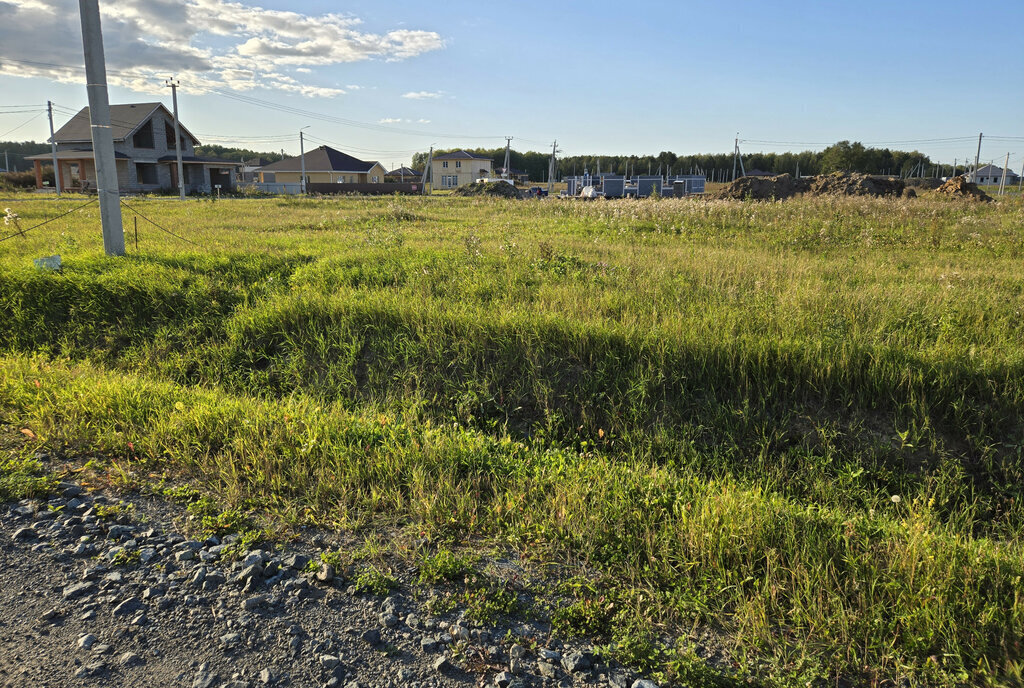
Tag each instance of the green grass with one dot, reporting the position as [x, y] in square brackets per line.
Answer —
[794, 425]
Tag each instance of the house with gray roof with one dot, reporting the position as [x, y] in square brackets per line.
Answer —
[144, 153]
[991, 174]
[324, 165]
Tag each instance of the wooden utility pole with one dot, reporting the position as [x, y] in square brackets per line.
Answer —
[177, 137]
[102, 135]
[53, 148]
[302, 161]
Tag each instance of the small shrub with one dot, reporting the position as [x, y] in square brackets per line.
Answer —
[24, 478]
[374, 581]
[444, 565]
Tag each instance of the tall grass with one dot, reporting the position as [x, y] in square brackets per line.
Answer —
[798, 424]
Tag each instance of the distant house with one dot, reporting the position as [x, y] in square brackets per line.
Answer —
[250, 169]
[144, 153]
[990, 174]
[518, 176]
[455, 169]
[404, 175]
[324, 165]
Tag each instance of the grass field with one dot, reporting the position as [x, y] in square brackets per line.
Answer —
[797, 426]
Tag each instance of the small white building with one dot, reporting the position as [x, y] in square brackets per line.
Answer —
[991, 174]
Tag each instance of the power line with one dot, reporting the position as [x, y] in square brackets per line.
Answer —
[23, 124]
[46, 222]
[164, 229]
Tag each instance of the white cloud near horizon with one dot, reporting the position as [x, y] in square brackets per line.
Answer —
[205, 43]
[423, 95]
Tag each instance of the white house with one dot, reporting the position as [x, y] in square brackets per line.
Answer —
[990, 174]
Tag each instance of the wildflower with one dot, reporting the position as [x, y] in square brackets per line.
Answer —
[895, 499]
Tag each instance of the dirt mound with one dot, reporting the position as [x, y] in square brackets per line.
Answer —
[497, 189]
[959, 187]
[854, 184]
[838, 183]
[764, 188]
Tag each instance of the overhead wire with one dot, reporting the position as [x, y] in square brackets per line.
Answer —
[23, 124]
[161, 228]
[46, 222]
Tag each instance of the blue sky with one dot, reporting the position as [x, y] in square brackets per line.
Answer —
[602, 78]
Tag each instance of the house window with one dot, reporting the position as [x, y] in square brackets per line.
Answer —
[144, 137]
[444, 164]
[146, 173]
[376, 180]
[458, 163]
[169, 135]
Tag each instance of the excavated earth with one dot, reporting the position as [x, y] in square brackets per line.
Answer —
[91, 600]
[959, 187]
[784, 186]
[494, 189]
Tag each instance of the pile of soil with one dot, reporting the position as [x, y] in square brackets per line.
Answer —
[838, 183]
[495, 189]
[959, 187]
[764, 188]
[853, 184]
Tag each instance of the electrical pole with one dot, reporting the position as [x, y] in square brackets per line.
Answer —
[302, 160]
[974, 175]
[53, 149]
[508, 149]
[735, 151]
[427, 171]
[1002, 180]
[177, 137]
[7, 163]
[102, 135]
[551, 167]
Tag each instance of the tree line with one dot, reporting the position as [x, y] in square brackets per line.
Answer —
[842, 156]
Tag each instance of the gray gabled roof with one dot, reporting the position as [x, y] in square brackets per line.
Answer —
[993, 171]
[125, 120]
[322, 159]
[461, 155]
[405, 171]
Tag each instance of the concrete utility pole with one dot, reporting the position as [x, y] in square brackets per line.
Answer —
[1002, 180]
[302, 159]
[427, 174]
[177, 137]
[102, 135]
[53, 148]
[735, 153]
[7, 163]
[551, 166]
[974, 175]
[508, 149]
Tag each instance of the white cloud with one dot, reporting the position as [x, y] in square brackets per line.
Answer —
[148, 40]
[391, 120]
[423, 95]
[423, 121]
